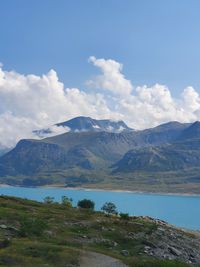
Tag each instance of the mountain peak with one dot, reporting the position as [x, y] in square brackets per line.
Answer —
[87, 124]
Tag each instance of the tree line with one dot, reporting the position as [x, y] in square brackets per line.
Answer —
[109, 208]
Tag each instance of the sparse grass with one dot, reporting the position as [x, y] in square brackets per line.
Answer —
[157, 263]
[35, 253]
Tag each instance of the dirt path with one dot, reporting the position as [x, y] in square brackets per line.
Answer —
[93, 259]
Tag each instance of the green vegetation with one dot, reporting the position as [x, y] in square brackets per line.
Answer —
[124, 216]
[30, 227]
[67, 202]
[109, 208]
[34, 234]
[86, 204]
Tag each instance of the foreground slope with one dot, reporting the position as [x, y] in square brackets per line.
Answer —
[37, 234]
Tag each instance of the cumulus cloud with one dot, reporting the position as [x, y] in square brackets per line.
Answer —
[144, 106]
[151, 106]
[30, 102]
[111, 78]
[13, 128]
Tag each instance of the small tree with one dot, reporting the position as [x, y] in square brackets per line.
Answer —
[67, 202]
[86, 204]
[109, 208]
[48, 200]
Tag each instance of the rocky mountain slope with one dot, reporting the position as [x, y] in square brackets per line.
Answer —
[182, 153]
[172, 157]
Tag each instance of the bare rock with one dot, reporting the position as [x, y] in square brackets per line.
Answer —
[174, 251]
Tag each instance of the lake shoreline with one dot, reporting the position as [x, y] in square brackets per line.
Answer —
[176, 209]
[109, 190]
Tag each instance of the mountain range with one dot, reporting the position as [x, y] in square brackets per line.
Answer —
[109, 154]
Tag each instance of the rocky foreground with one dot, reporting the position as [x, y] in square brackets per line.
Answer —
[168, 242]
[39, 234]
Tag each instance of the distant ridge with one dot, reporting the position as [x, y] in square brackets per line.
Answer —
[193, 131]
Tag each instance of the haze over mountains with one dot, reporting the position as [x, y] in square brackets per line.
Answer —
[108, 154]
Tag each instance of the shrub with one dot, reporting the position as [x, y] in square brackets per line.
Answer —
[109, 208]
[124, 216]
[67, 202]
[86, 204]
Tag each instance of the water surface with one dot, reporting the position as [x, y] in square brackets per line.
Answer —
[183, 211]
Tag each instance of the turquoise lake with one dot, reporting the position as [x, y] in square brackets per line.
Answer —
[183, 211]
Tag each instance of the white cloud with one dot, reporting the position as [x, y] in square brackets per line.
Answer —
[111, 78]
[13, 128]
[32, 102]
[29, 102]
[150, 106]
[191, 99]
[144, 106]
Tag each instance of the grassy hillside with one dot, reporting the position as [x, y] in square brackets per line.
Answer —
[39, 234]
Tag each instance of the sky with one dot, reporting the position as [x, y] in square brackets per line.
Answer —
[131, 60]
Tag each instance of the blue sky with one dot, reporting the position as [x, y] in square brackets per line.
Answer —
[157, 41]
[62, 58]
